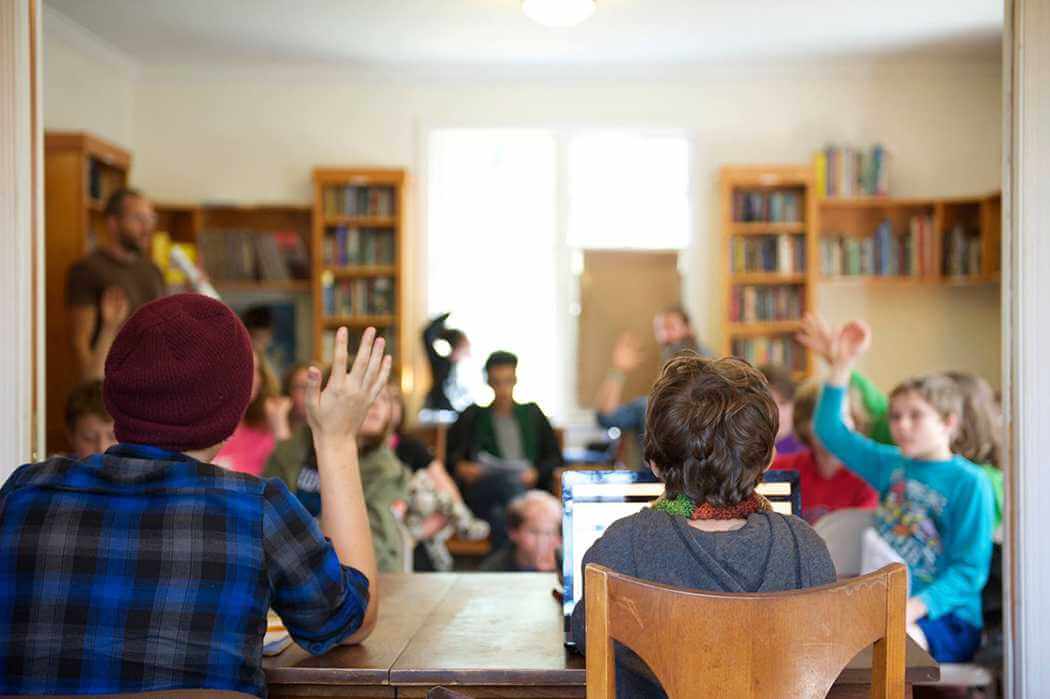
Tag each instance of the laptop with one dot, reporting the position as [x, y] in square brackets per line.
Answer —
[595, 499]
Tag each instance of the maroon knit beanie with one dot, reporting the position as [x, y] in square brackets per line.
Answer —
[179, 374]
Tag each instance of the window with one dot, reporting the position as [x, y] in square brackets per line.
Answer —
[499, 244]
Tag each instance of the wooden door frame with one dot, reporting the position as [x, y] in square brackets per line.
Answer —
[21, 239]
[1026, 336]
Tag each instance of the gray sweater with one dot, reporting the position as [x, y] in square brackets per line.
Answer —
[771, 552]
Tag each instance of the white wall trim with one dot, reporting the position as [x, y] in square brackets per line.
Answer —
[1026, 288]
[19, 211]
[67, 31]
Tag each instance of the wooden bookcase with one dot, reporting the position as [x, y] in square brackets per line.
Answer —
[80, 172]
[947, 241]
[768, 247]
[358, 245]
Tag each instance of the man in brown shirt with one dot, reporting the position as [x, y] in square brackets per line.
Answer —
[110, 283]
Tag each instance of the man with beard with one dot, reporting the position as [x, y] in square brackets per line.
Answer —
[111, 282]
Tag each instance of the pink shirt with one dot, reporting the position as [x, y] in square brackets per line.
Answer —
[247, 450]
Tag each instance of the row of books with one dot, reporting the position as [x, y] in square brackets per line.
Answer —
[754, 304]
[962, 252]
[781, 349]
[358, 297]
[251, 255]
[844, 171]
[358, 246]
[886, 253]
[359, 201]
[389, 333]
[767, 207]
[785, 254]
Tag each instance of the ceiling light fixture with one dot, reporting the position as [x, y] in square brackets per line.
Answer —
[558, 13]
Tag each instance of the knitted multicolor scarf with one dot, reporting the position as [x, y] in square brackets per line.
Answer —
[683, 506]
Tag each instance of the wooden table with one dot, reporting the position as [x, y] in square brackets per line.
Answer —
[488, 634]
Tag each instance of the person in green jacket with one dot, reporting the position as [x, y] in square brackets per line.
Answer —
[499, 451]
[383, 477]
[979, 437]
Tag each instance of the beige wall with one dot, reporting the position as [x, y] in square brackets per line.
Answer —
[88, 86]
[254, 135]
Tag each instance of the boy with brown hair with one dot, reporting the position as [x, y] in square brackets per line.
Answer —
[709, 433]
[936, 508]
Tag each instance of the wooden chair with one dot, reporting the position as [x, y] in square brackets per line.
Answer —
[443, 693]
[746, 646]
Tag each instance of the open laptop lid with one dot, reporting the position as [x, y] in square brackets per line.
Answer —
[593, 500]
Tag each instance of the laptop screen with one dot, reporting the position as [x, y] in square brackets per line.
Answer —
[595, 499]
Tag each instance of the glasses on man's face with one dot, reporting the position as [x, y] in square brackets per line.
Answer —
[542, 532]
[144, 220]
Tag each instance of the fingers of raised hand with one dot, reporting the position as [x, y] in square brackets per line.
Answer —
[339, 358]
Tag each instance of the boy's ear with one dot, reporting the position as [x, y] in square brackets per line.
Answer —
[655, 469]
[952, 423]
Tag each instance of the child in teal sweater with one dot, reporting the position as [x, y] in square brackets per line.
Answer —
[935, 508]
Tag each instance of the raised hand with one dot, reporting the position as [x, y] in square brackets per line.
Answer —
[113, 307]
[627, 353]
[817, 335]
[852, 340]
[277, 409]
[336, 413]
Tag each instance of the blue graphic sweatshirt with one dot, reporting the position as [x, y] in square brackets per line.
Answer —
[937, 515]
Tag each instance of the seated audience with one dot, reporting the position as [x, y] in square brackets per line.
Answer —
[782, 387]
[88, 426]
[383, 477]
[936, 508]
[160, 567]
[979, 436]
[709, 436]
[503, 449]
[826, 484]
[265, 423]
[534, 531]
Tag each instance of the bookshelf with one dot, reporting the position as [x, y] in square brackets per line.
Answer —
[358, 241]
[767, 225]
[80, 172]
[878, 241]
[261, 249]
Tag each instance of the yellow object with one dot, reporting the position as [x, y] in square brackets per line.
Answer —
[820, 167]
[162, 248]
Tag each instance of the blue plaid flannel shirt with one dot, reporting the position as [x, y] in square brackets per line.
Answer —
[142, 569]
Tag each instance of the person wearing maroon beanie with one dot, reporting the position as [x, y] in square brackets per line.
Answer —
[161, 567]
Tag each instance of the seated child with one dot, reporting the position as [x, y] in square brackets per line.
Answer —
[264, 424]
[159, 566]
[709, 436]
[89, 427]
[826, 484]
[782, 387]
[936, 509]
[534, 530]
[980, 435]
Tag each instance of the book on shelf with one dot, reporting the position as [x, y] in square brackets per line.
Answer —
[388, 333]
[780, 349]
[780, 254]
[359, 200]
[756, 304]
[762, 206]
[885, 253]
[845, 171]
[358, 297]
[962, 251]
[346, 246]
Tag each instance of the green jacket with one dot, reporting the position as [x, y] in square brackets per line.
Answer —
[383, 478]
[878, 406]
[474, 433]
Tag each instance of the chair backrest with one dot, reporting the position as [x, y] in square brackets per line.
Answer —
[842, 531]
[156, 694]
[769, 645]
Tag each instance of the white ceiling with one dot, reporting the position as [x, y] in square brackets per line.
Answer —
[494, 33]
